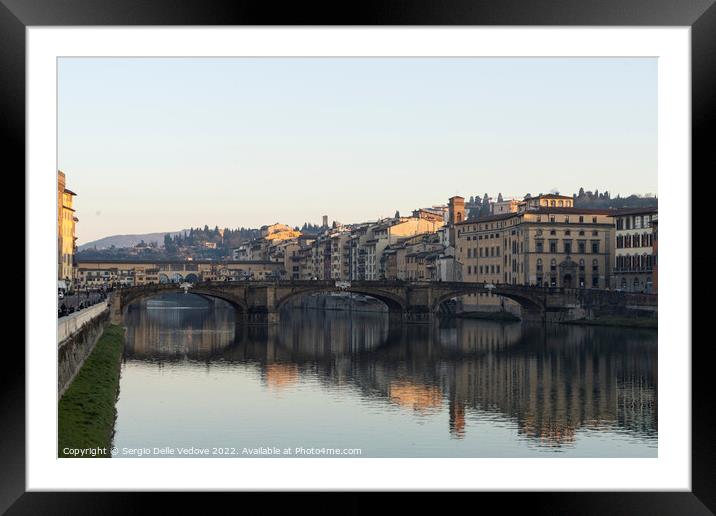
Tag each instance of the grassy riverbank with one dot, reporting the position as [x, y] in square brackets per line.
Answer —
[86, 412]
[624, 322]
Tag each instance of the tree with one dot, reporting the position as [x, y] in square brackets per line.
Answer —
[485, 207]
[397, 214]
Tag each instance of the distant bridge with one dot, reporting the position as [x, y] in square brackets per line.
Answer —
[261, 301]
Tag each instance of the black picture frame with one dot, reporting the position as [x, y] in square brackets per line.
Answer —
[700, 15]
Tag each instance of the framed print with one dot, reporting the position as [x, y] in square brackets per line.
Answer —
[416, 253]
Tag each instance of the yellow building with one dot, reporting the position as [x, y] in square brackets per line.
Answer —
[279, 232]
[546, 201]
[539, 245]
[545, 246]
[66, 222]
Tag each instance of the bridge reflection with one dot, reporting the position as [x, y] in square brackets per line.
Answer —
[552, 381]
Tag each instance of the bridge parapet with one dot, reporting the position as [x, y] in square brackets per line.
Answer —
[260, 301]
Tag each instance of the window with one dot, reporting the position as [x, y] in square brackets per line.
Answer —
[568, 246]
[595, 247]
[552, 246]
[553, 265]
[539, 246]
[594, 220]
[539, 264]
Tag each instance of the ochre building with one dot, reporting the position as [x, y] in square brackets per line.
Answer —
[66, 222]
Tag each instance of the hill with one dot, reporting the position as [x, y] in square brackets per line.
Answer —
[122, 241]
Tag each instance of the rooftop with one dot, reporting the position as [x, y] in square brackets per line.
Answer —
[635, 211]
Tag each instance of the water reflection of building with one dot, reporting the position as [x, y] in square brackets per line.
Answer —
[457, 418]
[172, 326]
[280, 375]
[421, 398]
[547, 382]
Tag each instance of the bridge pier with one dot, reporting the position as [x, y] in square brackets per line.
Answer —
[419, 315]
[532, 315]
[261, 315]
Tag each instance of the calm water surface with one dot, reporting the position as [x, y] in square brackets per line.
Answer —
[196, 383]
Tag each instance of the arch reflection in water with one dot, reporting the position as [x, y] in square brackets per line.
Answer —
[174, 326]
[460, 388]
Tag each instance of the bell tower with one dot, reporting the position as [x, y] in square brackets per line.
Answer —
[456, 215]
[456, 210]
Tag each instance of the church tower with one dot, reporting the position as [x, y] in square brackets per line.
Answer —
[456, 214]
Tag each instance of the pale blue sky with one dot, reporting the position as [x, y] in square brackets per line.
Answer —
[164, 144]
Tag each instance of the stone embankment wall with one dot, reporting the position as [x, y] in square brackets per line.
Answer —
[77, 335]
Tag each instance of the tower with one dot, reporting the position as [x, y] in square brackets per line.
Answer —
[456, 210]
[456, 215]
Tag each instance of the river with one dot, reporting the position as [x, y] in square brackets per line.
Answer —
[195, 382]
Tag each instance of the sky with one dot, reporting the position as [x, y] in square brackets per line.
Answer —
[162, 144]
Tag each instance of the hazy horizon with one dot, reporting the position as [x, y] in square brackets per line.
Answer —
[154, 145]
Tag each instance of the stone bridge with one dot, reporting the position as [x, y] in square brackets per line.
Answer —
[261, 301]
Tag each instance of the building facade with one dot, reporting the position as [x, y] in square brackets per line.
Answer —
[66, 238]
[634, 250]
[538, 245]
[550, 247]
[99, 273]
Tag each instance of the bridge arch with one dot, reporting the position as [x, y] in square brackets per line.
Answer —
[130, 296]
[395, 303]
[525, 301]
